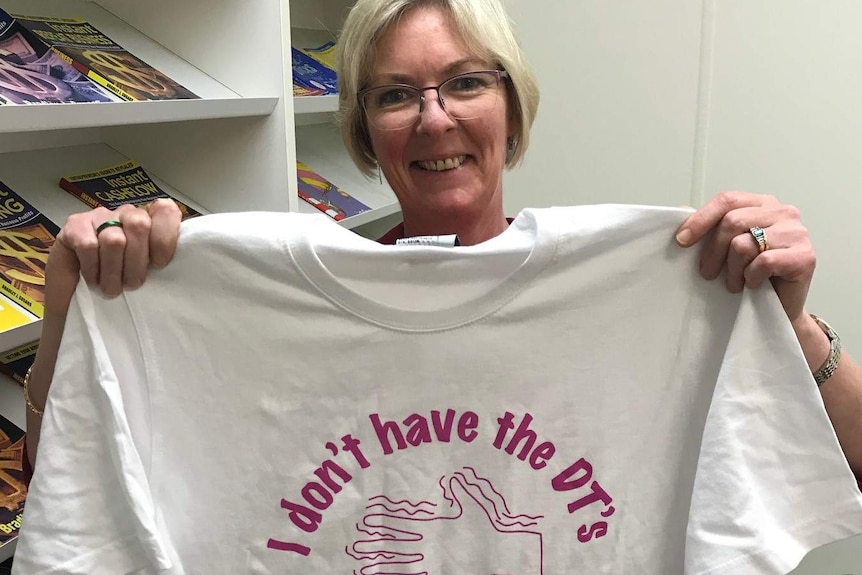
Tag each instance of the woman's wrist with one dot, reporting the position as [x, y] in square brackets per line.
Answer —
[36, 385]
[813, 340]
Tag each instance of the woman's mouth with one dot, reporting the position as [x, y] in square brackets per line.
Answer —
[441, 165]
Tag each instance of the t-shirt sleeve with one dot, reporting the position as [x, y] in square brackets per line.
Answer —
[89, 509]
[772, 482]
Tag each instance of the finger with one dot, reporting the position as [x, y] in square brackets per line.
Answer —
[790, 257]
[733, 232]
[79, 235]
[790, 271]
[136, 255]
[164, 232]
[783, 221]
[742, 251]
[697, 225]
[112, 247]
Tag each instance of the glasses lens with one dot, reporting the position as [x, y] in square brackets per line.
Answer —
[392, 107]
[464, 97]
[472, 95]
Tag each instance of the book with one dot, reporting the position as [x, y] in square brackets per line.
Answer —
[12, 315]
[26, 236]
[18, 360]
[300, 90]
[325, 54]
[125, 183]
[18, 328]
[13, 485]
[32, 73]
[326, 196]
[102, 60]
[313, 74]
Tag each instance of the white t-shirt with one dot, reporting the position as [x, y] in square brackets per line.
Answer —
[568, 397]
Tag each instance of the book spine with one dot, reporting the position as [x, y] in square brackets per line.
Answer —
[79, 193]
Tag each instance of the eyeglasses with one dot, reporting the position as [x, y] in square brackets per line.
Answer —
[463, 97]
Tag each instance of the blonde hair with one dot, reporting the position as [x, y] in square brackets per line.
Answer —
[488, 33]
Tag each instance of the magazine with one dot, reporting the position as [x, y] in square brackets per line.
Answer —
[103, 60]
[313, 74]
[300, 90]
[32, 73]
[326, 196]
[13, 485]
[324, 54]
[111, 187]
[26, 236]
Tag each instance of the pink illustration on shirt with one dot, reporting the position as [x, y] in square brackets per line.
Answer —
[468, 528]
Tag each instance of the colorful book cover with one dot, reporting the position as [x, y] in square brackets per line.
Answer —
[103, 60]
[13, 485]
[125, 183]
[300, 90]
[32, 73]
[326, 196]
[324, 54]
[26, 236]
[312, 74]
[17, 361]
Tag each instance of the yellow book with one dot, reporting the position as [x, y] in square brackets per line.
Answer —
[12, 316]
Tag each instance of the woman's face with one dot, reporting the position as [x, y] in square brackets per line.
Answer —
[423, 49]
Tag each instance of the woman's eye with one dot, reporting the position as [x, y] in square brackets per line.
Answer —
[470, 83]
[393, 97]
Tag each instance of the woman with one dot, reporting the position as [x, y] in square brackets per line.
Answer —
[441, 103]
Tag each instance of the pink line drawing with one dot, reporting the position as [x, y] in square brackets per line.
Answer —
[470, 529]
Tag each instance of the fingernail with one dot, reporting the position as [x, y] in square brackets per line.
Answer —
[683, 237]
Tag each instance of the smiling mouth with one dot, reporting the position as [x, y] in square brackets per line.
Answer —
[442, 165]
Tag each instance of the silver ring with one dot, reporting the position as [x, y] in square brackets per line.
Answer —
[760, 237]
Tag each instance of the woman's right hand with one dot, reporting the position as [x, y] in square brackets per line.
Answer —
[117, 258]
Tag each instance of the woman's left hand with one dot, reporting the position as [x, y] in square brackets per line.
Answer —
[727, 220]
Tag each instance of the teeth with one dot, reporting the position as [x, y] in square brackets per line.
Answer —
[440, 165]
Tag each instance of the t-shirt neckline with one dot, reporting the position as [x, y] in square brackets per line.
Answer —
[525, 237]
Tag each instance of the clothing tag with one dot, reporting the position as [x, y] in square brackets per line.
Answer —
[449, 241]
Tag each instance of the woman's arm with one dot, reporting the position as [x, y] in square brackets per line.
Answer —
[842, 393]
[117, 258]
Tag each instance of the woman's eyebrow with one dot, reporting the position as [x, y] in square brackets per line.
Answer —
[451, 69]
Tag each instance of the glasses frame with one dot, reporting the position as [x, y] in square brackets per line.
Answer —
[360, 95]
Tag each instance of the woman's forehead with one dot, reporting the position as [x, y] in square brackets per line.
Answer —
[423, 41]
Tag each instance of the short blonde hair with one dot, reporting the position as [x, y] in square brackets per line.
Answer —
[488, 33]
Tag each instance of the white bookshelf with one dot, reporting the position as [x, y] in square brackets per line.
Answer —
[234, 149]
[318, 142]
[303, 105]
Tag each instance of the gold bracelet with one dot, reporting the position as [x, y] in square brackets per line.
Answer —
[30, 405]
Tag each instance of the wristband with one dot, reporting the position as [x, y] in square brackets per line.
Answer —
[831, 364]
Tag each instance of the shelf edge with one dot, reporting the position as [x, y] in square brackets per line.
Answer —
[43, 117]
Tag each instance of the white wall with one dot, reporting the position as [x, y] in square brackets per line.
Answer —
[671, 101]
[619, 100]
[786, 118]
